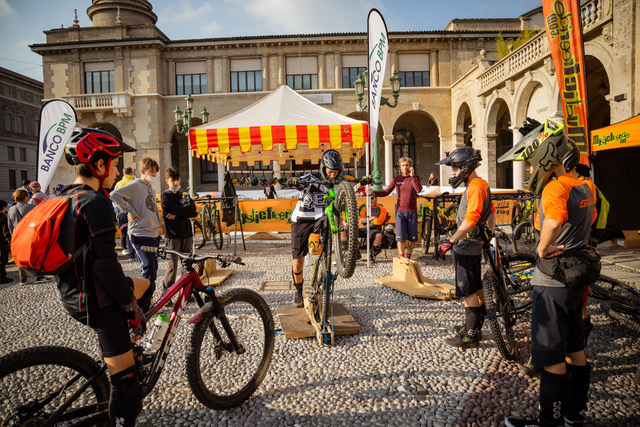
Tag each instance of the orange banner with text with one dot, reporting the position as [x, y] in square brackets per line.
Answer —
[562, 22]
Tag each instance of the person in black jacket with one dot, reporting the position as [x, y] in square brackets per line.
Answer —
[95, 290]
[176, 210]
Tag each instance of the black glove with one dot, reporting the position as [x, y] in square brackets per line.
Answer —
[136, 319]
[444, 248]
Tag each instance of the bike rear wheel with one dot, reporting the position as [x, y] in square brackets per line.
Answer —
[205, 218]
[220, 377]
[322, 293]
[35, 382]
[345, 206]
[426, 231]
[501, 314]
[525, 238]
[620, 301]
[519, 273]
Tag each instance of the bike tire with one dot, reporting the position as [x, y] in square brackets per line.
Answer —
[427, 225]
[620, 301]
[205, 217]
[504, 241]
[346, 207]
[198, 235]
[31, 376]
[519, 273]
[319, 296]
[501, 315]
[219, 377]
[516, 211]
[525, 238]
[216, 231]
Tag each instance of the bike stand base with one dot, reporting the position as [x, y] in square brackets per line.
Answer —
[211, 276]
[407, 278]
[295, 322]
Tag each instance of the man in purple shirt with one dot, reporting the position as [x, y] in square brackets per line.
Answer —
[407, 186]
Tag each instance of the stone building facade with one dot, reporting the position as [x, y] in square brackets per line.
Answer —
[125, 75]
[20, 101]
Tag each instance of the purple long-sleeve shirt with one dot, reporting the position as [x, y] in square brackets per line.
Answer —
[407, 189]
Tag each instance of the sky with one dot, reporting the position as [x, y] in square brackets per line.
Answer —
[22, 22]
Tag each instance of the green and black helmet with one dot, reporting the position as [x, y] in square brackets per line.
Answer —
[544, 148]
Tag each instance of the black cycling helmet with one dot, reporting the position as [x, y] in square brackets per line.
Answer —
[88, 145]
[331, 159]
[465, 158]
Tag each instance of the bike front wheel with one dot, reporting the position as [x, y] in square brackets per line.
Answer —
[221, 377]
[36, 382]
[199, 238]
[216, 230]
[205, 216]
[525, 238]
[620, 301]
[501, 314]
[346, 242]
[426, 232]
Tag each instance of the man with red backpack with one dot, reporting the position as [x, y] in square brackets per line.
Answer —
[95, 290]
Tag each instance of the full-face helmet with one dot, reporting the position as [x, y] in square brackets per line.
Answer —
[331, 159]
[544, 148]
[465, 158]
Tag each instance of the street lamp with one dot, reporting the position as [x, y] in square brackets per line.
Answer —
[361, 85]
[183, 124]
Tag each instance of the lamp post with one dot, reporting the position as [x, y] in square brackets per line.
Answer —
[183, 124]
[361, 85]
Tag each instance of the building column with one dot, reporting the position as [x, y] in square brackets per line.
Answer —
[388, 159]
[265, 73]
[222, 167]
[434, 74]
[277, 172]
[225, 76]
[210, 75]
[518, 167]
[488, 166]
[281, 70]
[337, 60]
[393, 58]
[322, 67]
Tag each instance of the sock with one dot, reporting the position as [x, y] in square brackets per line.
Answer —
[579, 379]
[408, 256]
[125, 402]
[474, 318]
[401, 255]
[554, 389]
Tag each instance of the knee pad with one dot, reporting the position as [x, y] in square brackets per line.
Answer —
[125, 402]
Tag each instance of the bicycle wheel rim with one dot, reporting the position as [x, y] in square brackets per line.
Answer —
[205, 216]
[198, 236]
[501, 316]
[620, 301]
[319, 287]
[35, 374]
[219, 377]
[346, 206]
[426, 233]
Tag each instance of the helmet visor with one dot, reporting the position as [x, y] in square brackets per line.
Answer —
[515, 152]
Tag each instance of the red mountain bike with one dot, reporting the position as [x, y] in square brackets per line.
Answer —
[228, 356]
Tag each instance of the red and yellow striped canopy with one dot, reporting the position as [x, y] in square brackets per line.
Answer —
[284, 120]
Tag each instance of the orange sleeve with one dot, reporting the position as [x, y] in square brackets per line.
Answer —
[554, 202]
[362, 215]
[476, 195]
[382, 218]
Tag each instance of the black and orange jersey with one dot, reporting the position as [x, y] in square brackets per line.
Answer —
[571, 202]
[378, 212]
[475, 207]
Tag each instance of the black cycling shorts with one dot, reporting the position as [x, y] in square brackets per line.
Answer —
[300, 232]
[468, 274]
[111, 326]
[556, 324]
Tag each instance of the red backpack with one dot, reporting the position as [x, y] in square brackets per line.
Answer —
[37, 244]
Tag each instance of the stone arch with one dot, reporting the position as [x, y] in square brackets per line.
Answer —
[499, 139]
[539, 86]
[598, 87]
[416, 134]
[464, 126]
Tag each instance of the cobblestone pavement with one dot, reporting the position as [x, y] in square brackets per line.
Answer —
[396, 371]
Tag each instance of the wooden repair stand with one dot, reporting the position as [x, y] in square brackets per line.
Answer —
[210, 275]
[407, 278]
[299, 322]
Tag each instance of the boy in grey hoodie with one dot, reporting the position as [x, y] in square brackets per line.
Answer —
[138, 200]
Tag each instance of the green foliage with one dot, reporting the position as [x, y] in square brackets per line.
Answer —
[503, 45]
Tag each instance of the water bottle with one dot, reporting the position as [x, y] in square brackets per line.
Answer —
[160, 330]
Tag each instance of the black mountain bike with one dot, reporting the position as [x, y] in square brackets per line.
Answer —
[507, 292]
[228, 356]
[209, 224]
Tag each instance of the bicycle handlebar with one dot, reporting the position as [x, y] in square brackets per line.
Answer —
[222, 259]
